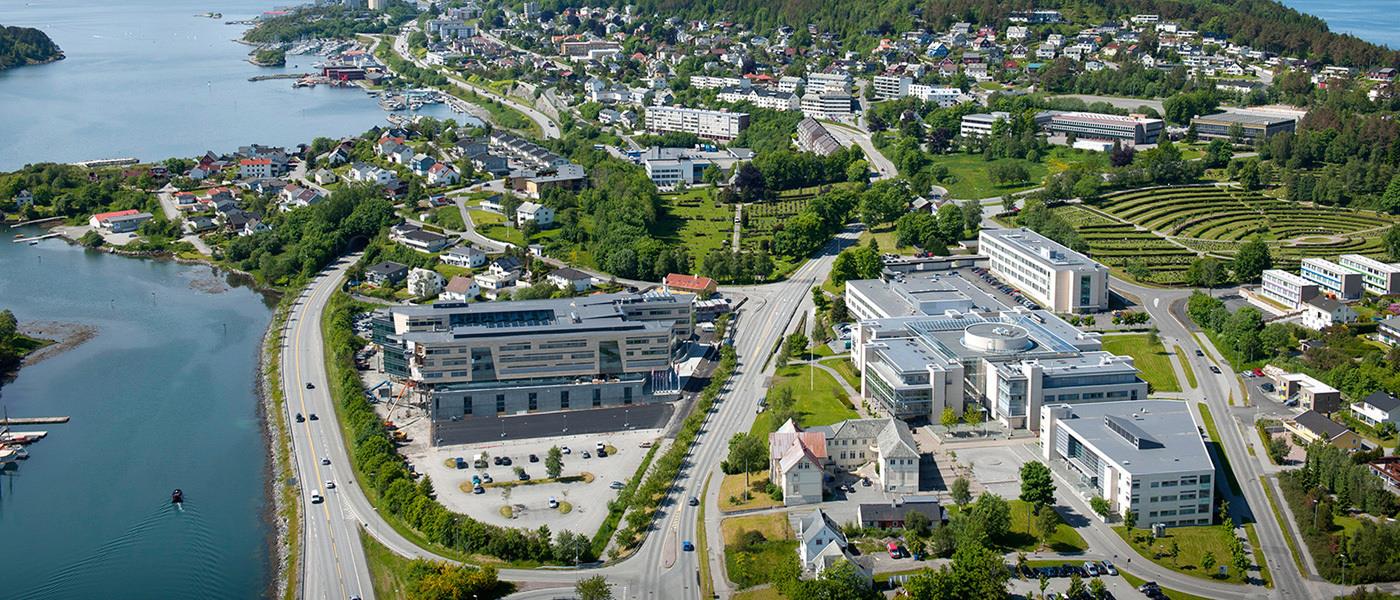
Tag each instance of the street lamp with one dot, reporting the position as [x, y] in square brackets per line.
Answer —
[1344, 568]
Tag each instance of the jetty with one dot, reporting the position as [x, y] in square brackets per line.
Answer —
[105, 162]
[36, 238]
[35, 222]
[278, 76]
[37, 420]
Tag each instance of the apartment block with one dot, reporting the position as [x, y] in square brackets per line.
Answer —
[1060, 279]
[711, 124]
[1377, 277]
[829, 83]
[1147, 456]
[827, 106]
[1333, 278]
[1287, 289]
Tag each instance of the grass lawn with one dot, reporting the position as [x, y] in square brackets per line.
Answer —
[1224, 463]
[1171, 593]
[773, 526]
[449, 218]
[1065, 539]
[972, 180]
[1149, 356]
[1193, 543]
[819, 398]
[733, 485]
[693, 220]
[493, 225]
[768, 593]
[883, 577]
[886, 237]
[1186, 367]
[847, 369]
[388, 572]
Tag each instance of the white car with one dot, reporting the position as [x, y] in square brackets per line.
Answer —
[565, 450]
[316, 498]
[553, 503]
[330, 485]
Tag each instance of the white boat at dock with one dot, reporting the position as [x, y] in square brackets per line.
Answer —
[22, 437]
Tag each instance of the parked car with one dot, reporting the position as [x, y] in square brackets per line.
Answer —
[565, 450]
[496, 460]
[617, 485]
[553, 503]
[1091, 568]
[478, 490]
[585, 454]
[865, 481]
[534, 458]
[602, 453]
[893, 549]
[1108, 568]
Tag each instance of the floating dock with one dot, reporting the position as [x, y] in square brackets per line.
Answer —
[36, 420]
[36, 238]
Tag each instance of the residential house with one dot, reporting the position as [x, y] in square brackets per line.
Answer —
[796, 459]
[325, 177]
[424, 283]
[821, 544]
[460, 289]
[1312, 426]
[1377, 408]
[255, 168]
[469, 257]
[1388, 331]
[372, 174]
[420, 163]
[295, 196]
[1304, 390]
[891, 515]
[441, 174]
[386, 273]
[121, 221]
[570, 280]
[1321, 312]
[541, 215]
[197, 224]
[702, 287]
[415, 237]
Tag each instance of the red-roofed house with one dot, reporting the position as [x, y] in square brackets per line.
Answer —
[100, 219]
[255, 168]
[796, 459]
[692, 284]
[120, 221]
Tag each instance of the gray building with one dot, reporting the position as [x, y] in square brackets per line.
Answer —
[489, 360]
[1253, 126]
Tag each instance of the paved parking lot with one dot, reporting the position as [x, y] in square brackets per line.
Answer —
[588, 501]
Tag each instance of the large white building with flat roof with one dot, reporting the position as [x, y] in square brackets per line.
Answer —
[1337, 280]
[1378, 277]
[1060, 279]
[711, 124]
[925, 343]
[1287, 289]
[1146, 456]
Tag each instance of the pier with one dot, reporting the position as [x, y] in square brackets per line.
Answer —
[35, 222]
[278, 76]
[36, 238]
[106, 162]
[36, 420]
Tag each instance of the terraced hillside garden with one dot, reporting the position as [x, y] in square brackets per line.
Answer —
[1157, 232]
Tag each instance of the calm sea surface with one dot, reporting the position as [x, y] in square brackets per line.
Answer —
[150, 79]
[1370, 20]
[161, 398]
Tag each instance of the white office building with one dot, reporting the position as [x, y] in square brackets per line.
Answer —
[1147, 456]
[1333, 278]
[669, 166]
[980, 125]
[1285, 288]
[829, 83]
[925, 343]
[1378, 277]
[711, 124]
[1060, 279]
[891, 87]
[827, 106]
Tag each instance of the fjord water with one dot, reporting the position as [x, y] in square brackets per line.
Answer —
[150, 79]
[162, 398]
[1370, 20]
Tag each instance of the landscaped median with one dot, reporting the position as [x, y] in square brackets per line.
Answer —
[1209, 423]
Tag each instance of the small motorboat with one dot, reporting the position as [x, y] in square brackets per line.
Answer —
[177, 496]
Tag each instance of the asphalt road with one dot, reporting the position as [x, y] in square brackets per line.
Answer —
[333, 560]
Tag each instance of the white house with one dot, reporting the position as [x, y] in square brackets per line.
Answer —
[467, 257]
[886, 443]
[1321, 312]
[255, 168]
[796, 462]
[821, 544]
[460, 289]
[325, 177]
[424, 283]
[1377, 408]
[441, 174]
[542, 215]
[568, 279]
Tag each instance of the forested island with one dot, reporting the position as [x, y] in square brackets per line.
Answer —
[321, 22]
[20, 46]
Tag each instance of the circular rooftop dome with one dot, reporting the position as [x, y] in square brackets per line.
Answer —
[996, 337]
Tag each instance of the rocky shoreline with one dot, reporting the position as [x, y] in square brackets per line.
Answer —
[66, 336]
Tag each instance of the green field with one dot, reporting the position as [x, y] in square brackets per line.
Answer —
[820, 399]
[1151, 359]
[1023, 536]
[1168, 228]
[1192, 543]
[493, 225]
[693, 219]
[969, 172]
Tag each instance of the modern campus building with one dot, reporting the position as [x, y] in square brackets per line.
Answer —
[669, 166]
[980, 125]
[1060, 279]
[925, 343]
[1146, 456]
[710, 124]
[1134, 129]
[1253, 126]
[1287, 289]
[1332, 278]
[488, 360]
[1378, 277]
